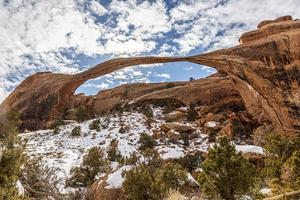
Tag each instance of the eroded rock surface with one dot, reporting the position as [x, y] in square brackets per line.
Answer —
[265, 70]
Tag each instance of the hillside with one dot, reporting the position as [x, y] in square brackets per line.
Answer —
[174, 140]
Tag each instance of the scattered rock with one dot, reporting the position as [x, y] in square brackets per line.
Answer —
[174, 116]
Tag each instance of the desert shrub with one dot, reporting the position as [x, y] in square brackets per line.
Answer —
[145, 182]
[132, 159]
[191, 162]
[113, 154]
[138, 183]
[212, 135]
[76, 131]
[169, 107]
[95, 125]
[58, 122]
[282, 164]
[174, 195]
[192, 114]
[105, 123]
[11, 156]
[122, 130]
[146, 141]
[39, 180]
[81, 114]
[56, 130]
[119, 108]
[169, 176]
[226, 174]
[93, 163]
[147, 111]
[170, 85]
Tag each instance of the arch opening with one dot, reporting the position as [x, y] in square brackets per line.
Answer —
[155, 73]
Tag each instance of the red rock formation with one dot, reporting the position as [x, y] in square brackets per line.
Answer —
[265, 70]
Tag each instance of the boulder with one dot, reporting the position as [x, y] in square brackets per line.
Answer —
[227, 130]
[175, 126]
[174, 116]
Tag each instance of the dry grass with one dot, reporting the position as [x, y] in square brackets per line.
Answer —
[175, 195]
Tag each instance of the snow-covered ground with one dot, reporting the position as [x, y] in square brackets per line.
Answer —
[65, 151]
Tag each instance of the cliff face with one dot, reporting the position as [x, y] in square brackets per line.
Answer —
[264, 69]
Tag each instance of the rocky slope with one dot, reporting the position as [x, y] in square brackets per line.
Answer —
[264, 69]
[171, 131]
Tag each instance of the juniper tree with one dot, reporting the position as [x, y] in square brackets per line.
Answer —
[226, 174]
[11, 156]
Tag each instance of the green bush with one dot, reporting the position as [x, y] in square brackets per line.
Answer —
[122, 130]
[132, 159]
[76, 131]
[147, 182]
[191, 162]
[81, 114]
[169, 176]
[95, 125]
[138, 183]
[58, 122]
[226, 174]
[56, 130]
[146, 141]
[11, 156]
[119, 108]
[282, 163]
[93, 163]
[113, 154]
[147, 111]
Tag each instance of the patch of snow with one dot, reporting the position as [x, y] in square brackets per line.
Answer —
[211, 124]
[20, 188]
[250, 149]
[115, 180]
[171, 153]
[266, 191]
[191, 178]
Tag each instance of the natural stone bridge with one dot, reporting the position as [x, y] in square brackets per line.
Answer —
[265, 69]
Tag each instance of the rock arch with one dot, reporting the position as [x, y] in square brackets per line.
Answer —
[265, 70]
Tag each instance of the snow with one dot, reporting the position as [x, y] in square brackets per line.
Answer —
[115, 180]
[211, 124]
[266, 191]
[20, 188]
[173, 152]
[250, 149]
[191, 178]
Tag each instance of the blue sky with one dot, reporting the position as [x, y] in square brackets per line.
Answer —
[68, 36]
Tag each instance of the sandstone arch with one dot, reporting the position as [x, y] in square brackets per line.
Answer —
[265, 70]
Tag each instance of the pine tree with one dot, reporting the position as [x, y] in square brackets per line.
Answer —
[225, 172]
[93, 163]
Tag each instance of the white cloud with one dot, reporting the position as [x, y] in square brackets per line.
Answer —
[164, 75]
[49, 35]
[216, 25]
[98, 8]
[146, 18]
